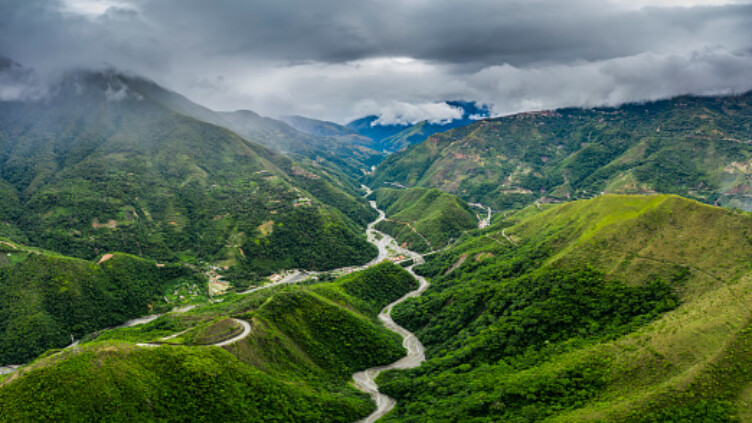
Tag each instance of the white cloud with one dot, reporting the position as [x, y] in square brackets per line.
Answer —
[92, 8]
[401, 113]
[414, 91]
[342, 60]
[677, 3]
[612, 82]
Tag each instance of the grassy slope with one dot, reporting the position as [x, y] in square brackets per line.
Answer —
[45, 297]
[119, 382]
[683, 363]
[305, 343]
[689, 146]
[437, 216]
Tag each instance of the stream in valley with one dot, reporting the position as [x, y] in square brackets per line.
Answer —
[365, 380]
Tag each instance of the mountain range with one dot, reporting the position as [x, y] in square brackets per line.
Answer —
[698, 147]
[580, 266]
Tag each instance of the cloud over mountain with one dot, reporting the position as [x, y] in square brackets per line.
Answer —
[336, 60]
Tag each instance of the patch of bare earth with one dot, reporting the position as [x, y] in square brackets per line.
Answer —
[112, 224]
[457, 264]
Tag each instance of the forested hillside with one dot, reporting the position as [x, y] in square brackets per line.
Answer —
[111, 163]
[619, 308]
[698, 147]
[296, 364]
[46, 299]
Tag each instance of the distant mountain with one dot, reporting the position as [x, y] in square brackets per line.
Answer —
[114, 162]
[397, 137]
[322, 128]
[700, 147]
[350, 153]
[366, 126]
[337, 155]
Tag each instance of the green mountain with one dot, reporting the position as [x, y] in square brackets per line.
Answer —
[619, 309]
[47, 298]
[414, 134]
[697, 147]
[337, 153]
[323, 128]
[422, 219]
[110, 162]
[295, 365]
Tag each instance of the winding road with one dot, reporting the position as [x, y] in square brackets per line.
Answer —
[365, 380]
[301, 275]
[244, 334]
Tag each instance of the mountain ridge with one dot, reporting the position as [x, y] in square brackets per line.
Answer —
[691, 146]
[105, 165]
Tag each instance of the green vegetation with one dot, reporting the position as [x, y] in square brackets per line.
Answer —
[82, 175]
[296, 365]
[306, 239]
[122, 383]
[423, 219]
[46, 298]
[324, 144]
[692, 146]
[619, 308]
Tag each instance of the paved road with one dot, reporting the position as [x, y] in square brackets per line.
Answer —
[244, 334]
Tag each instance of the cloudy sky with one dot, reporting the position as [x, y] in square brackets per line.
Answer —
[341, 59]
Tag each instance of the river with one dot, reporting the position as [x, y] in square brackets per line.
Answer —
[365, 380]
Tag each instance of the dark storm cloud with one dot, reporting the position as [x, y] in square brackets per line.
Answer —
[338, 58]
[483, 31]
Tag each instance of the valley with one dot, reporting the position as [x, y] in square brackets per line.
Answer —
[364, 379]
[162, 261]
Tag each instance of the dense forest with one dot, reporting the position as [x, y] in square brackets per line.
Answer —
[588, 311]
[45, 299]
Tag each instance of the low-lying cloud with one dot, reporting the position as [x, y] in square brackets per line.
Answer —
[400, 113]
[18, 83]
[399, 59]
